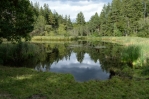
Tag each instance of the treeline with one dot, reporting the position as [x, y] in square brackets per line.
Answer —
[125, 17]
[49, 23]
[118, 18]
[121, 18]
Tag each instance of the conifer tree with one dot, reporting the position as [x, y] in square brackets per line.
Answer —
[80, 19]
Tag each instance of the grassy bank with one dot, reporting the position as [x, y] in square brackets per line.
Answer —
[121, 40]
[56, 38]
[136, 49]
[24, 83]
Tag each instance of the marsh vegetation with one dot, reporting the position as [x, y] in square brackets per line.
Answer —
[78, 60]
[116, 58]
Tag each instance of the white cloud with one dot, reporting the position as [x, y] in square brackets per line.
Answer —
[73, 63]
[72, 8]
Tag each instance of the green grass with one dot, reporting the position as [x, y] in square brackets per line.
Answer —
[19, 54]
[24, 83]
[56, 38]
[136, 49]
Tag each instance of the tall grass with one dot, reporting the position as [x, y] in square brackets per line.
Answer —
[136, 49]
[131, 55]
[18, 54]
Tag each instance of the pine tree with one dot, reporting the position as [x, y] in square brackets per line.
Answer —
[115, 16]
[94, 23]
[46, 12]
[51, 19]
[132, 12]
[80, 19]
[69, 23]
[105, 21]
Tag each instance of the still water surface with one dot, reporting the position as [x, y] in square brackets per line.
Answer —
[84, 71]
[84, 60]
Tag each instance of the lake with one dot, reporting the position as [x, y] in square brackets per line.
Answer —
[84, 60]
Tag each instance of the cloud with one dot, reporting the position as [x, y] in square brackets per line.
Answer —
[73, 62]
[73, 7]
[87, 70]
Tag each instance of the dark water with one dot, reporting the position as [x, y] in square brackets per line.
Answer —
[84, 60]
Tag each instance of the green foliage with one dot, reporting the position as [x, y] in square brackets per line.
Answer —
[135, 51]
[123, 17]
[61, 30]
[131, 54]
[26, 83]
[118, 18]
[94, 23]
[117, 32]
[52, 20]
[143, 27]
[19, 54]
[50, 23]
[68, 23]
[16, 20]
[39, 26]
[80, 19]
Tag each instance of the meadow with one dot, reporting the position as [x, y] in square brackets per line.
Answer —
[26, 83]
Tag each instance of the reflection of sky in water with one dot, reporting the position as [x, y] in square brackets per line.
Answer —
[84, 71]
[73, 62]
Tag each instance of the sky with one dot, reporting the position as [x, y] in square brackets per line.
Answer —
[84, 71]
[73, 7]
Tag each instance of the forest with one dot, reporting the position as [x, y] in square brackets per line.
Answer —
[109, 53]
[119, 18]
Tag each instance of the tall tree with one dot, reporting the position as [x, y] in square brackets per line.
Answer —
[68, 24]
[105, 24]
[80, 19]
[131, 11]
[46, 12]
[36, 8]
[39, 25]
[51, 19]
[115, 17]
[16, 19]
[94, 23]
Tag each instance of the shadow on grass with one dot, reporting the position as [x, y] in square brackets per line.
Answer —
[145, 69]
[24, 83]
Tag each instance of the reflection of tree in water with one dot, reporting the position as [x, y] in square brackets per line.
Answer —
[80, 56]
[108, 54]
[109, 57]
[52, 53]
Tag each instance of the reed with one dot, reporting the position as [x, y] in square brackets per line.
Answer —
[18, 54]
[135, 51]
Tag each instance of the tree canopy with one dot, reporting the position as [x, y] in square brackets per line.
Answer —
[20, 18]
[123, 17]
[16, 19]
